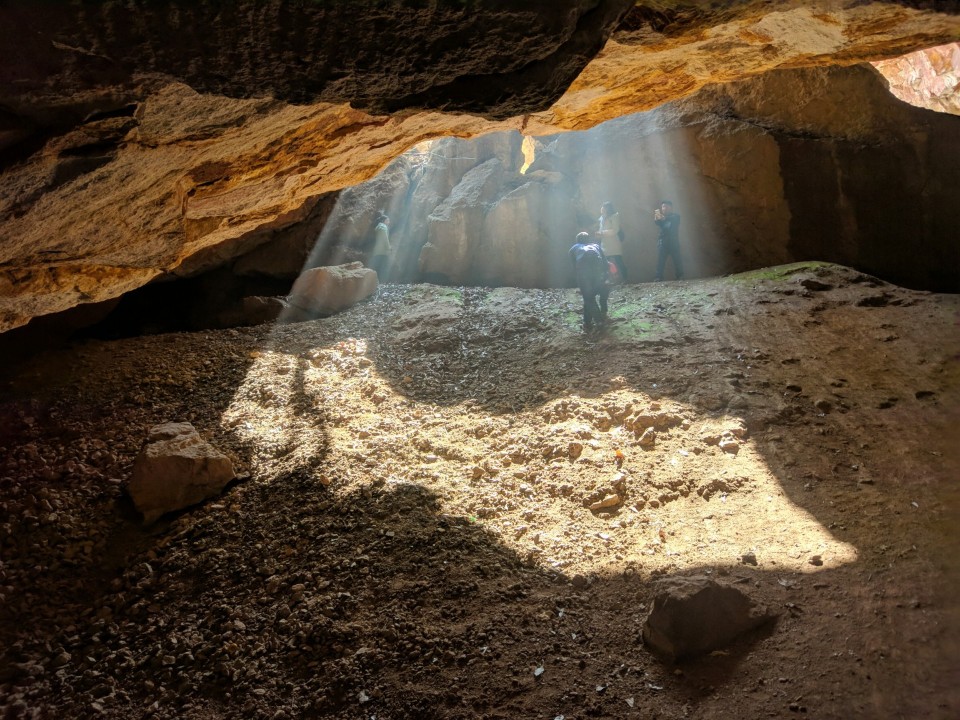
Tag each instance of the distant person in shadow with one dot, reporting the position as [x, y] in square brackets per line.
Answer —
[590, 267]
[379, 255]
[668, 243]
[610, 237]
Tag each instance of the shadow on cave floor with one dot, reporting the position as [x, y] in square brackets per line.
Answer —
[417, 521]
[373, 601]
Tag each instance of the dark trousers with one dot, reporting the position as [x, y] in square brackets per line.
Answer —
[592, 311]
[378, 263]
[671, 248]
[621, 268]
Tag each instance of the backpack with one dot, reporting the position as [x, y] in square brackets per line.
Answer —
[590, 256]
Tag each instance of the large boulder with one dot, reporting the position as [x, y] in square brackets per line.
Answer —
[328, 290]
[177, 468]
[525, 238]
[457, 222]
[695, 615]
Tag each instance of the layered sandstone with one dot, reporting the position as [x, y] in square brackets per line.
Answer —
[124, 160]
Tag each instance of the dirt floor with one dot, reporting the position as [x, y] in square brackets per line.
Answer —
[412, 533]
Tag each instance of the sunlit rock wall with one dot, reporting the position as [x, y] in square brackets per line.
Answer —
[927, 78]
[820, 164]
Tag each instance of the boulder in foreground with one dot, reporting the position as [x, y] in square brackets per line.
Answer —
[177, 468]
[694, 615]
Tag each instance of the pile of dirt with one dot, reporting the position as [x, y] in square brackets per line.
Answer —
[455, 504]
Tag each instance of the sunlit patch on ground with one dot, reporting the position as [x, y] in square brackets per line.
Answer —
[579, 484]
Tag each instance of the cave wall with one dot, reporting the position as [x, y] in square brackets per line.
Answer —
[819, 164]
[147, 139]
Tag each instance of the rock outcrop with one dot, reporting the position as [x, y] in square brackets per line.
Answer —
[793, 165]
[123, 159]
[926, 78]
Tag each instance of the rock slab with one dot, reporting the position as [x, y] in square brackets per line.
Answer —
[695, 615]
[328, 290]
[177, 468]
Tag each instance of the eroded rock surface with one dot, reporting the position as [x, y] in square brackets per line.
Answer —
[116, 172]
[792, 165]
[926, 78]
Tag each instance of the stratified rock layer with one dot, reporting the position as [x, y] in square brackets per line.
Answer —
[114, 175]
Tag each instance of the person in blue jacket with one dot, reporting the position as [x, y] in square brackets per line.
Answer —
[590, 267]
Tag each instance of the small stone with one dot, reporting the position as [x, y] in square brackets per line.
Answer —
[62, 659]
[748, 558]
[608, 501]
[816, 560]
[729, 444]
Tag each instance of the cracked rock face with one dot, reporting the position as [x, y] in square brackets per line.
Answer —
[143, 139]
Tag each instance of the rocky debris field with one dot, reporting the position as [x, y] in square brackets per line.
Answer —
[451, 503]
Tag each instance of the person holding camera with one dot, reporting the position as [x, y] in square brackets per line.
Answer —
[668, 242]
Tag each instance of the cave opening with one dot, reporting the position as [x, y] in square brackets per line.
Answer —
[757, 179]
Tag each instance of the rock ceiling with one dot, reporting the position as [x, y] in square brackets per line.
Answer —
[134, 135]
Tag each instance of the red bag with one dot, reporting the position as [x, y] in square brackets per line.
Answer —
[613, 273]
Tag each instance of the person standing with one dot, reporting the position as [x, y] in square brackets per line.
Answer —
[589, 264]
[611, 237]
[668, 242]
[381, 246]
